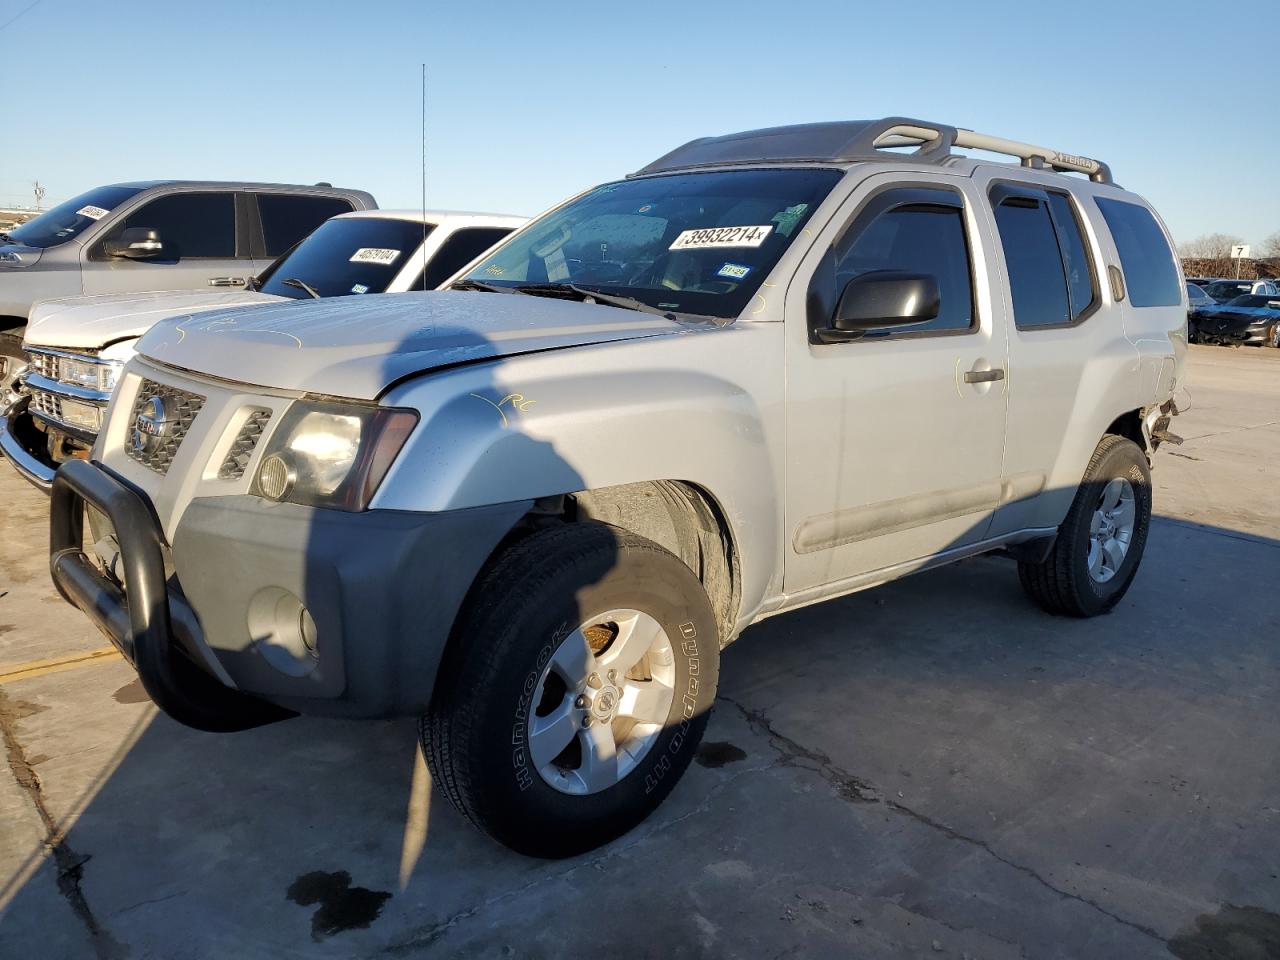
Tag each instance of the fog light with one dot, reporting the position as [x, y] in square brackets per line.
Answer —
[276, 477]
[283, 631]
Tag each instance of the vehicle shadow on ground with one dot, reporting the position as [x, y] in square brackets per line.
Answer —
[948, 688]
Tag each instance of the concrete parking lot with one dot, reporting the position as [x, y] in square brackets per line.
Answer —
[934, 768]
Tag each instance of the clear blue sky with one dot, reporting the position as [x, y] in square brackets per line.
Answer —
[531, 101]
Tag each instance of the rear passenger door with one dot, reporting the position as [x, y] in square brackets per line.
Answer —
[1066, 353]
[285, 218]
[206, 247]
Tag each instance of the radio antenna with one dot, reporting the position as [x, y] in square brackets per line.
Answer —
[424, 176]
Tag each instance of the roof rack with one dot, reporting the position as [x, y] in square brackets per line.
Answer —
[846, 141]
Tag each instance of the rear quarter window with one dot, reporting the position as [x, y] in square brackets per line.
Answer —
[1150, 273]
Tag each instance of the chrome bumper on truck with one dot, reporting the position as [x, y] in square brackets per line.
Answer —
[13, 424]
[308, 609]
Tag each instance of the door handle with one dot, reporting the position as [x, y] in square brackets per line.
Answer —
[984, 376]
[227, 282]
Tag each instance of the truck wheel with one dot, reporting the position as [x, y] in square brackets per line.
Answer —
[574, 691]
[1100, 543]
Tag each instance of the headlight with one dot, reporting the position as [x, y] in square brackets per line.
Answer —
[97, 375]
[332, 454]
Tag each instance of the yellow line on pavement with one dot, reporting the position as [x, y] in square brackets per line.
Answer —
[38, 668]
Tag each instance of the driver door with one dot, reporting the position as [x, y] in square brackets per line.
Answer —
[203, 249]
[895, 439]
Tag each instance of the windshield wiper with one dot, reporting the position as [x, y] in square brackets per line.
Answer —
[481, 285]
[301, 285]
[586, 293]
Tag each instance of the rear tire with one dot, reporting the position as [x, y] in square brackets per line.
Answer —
[514, 685]
[1101, 541]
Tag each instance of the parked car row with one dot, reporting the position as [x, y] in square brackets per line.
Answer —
[532, 507]
[77, 346]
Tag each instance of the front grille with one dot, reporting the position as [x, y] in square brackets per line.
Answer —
[237, 459]
[65, 411]
[44, 364]
[156, 446]
[47, 404]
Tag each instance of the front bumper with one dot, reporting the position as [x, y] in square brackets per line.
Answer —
[21, 449]
[278, 606]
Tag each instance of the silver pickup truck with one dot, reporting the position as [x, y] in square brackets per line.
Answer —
[768, 369]
[152, 235]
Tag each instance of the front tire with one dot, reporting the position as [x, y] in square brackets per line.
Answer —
[1101, 541]
[576, 687]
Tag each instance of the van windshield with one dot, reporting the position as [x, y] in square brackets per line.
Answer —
[68, 220]
[697, 243]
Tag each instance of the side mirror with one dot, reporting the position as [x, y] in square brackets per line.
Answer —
[882, 298]
[135, 243]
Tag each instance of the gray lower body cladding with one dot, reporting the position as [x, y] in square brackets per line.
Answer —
[317, 611]
[381, 590]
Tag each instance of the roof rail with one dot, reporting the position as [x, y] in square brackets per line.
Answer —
[849, 140]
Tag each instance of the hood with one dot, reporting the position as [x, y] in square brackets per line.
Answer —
[18, 255]
[358, 346]
[93, 322]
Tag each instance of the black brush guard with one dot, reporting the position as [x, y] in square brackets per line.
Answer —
[140, 620]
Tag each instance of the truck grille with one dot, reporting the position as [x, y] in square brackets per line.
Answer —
[63, 410]
[160, 419]
[44, 364]
[237, 459]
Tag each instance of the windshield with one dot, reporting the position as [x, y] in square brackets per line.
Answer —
[698, 243]
[346, 256]
[70, 219]
[1252, 300]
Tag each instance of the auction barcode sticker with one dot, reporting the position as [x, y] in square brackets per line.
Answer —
[382, 255]
[92, 212]
[721, 237]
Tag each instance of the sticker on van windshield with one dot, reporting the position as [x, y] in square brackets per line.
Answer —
[92, 212]
[380, 255]
[359, 288]
[721, 237]
[734, 271]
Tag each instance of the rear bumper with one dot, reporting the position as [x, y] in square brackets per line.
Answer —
[307, 610]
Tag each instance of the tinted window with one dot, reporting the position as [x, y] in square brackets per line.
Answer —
[1252, 300]
[1150, 273]
[1075, 258]
[698, 243]
[69, 219]
[1036, 278]
[917, 239]
[190, 224]
[349, 255]
[287, 219]
[459, 249]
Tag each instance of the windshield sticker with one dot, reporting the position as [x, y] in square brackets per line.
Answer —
[788, 218]
[92, 212]
[721, 237]
[646, 208]
[379, 255]
[359, 288]
[734, 271]
[494, 270]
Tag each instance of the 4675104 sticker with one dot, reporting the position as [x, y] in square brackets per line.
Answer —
[722, 237]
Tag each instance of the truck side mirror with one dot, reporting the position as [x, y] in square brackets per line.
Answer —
[883, 298]
[136, 243]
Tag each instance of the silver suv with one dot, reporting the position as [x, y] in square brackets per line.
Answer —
[768, 369]
[153, 235]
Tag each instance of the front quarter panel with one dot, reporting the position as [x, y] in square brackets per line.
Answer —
[701, 406]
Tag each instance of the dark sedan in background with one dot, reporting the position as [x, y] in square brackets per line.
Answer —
[1251, 319]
